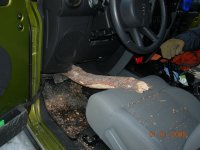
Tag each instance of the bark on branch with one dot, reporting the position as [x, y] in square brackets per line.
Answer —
[89, 80]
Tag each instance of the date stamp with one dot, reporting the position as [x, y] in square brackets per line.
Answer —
[171, 134]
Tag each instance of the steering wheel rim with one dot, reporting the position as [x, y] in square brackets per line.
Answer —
[137, 45]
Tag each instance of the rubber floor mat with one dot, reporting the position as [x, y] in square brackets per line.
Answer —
[66, 103]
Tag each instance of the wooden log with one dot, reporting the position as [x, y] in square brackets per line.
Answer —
[89, 80]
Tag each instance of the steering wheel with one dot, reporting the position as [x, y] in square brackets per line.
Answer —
[132, 18]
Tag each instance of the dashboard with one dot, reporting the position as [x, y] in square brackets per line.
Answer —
[76, 31]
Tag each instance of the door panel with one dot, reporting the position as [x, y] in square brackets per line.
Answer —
[4, 2]
[15, 42]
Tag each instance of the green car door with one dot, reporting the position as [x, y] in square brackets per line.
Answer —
[19, 76]
[20, 72]
[15, 54]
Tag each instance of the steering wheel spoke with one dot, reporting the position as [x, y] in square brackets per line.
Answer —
[150, 34]
[136, 16]
[136, 35]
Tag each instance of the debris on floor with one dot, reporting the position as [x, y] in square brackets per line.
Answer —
[66, 103]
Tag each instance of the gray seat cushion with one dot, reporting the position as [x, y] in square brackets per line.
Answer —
[161, 118]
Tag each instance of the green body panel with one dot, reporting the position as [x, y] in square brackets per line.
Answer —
[16, 43]
[36, 126]
[24, 48]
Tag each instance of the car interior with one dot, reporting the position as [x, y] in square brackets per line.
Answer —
[118, 38]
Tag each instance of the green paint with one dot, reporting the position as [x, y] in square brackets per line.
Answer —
[16, 43]
[35, 123]
[2, 123]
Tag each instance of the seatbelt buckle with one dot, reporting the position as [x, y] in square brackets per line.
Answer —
[139, 60]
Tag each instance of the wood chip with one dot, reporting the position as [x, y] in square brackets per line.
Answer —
[93, 81]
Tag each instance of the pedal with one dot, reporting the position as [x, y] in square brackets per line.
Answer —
[90, 137]
[90, 140]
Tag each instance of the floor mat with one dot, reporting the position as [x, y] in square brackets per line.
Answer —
[66, 102]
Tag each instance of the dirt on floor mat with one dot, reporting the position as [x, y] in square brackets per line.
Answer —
[66, 103]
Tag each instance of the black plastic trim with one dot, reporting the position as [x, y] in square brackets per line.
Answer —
[15, 122]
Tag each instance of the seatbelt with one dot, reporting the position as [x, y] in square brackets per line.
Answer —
[35, 97]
